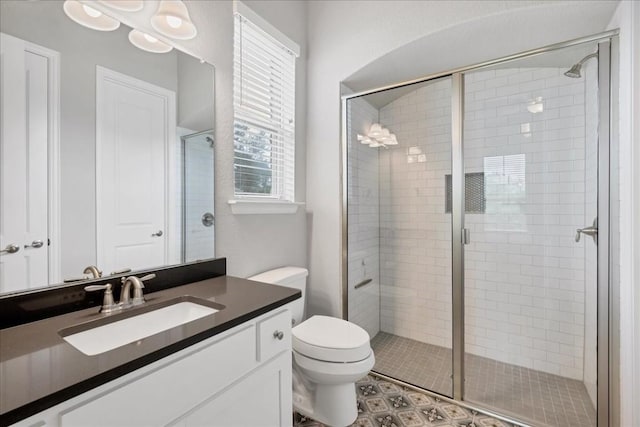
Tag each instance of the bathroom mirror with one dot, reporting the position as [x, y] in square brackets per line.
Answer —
[102, 145]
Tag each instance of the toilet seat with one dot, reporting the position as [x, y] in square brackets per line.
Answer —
[331, 339]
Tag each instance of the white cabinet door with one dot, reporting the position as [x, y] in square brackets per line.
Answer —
[135, 123]
[261, 399]
[170, 391]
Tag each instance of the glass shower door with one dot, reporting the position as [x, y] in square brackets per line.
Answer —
[531, 174]
[399, 238]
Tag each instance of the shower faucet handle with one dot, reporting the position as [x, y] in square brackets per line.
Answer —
[589, 231]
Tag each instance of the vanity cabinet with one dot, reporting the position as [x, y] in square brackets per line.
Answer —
[240, 377]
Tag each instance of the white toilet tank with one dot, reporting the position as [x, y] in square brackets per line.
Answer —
[292, 277]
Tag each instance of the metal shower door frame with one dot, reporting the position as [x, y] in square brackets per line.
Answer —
[607, 306]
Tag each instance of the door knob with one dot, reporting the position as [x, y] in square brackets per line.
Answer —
[35, 244]
[10, 249]
[157, 233]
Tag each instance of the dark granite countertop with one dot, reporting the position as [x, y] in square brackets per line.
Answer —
[38, 369]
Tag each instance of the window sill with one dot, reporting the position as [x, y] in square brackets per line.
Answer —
[262, 207]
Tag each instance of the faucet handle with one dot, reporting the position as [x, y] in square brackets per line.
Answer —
[92, 288]
[117, 272]
[108, 304]
[147, 277]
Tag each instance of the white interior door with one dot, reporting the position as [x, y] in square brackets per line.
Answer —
[24, 147]
[134, 121]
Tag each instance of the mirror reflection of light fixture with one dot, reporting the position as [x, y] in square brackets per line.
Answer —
[89, 17]
[378, 136]
[172, 20]
[147, 42]
[124, 5]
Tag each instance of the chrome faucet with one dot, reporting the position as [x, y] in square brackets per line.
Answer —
[93, 270]
[138, 285]
[109, 305]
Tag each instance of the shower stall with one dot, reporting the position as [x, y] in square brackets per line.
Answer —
[476, 232]
[198, 176]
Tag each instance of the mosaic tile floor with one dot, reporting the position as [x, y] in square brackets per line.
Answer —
[384, 404]
[524, 393]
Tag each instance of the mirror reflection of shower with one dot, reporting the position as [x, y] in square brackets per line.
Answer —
[198, 221]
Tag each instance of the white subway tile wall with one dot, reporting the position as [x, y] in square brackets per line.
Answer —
[525, 274]
[415, 232]
[363, 217]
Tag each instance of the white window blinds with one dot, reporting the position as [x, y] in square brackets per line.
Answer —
[264, 112]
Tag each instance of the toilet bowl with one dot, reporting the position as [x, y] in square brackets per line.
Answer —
[329, 356]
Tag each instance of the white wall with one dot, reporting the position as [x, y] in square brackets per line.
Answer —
[196, 105]
[627, 19]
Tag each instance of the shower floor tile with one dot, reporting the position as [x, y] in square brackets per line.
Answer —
[522, 393]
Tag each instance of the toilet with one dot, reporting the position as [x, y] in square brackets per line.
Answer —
[329, 356]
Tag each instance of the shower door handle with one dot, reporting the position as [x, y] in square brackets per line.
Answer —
[589, 231]
[466, 236]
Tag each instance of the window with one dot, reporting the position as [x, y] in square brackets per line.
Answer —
[264, 109]
[506, 192]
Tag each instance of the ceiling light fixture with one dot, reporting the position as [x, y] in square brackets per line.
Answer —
[147, 42]
[378, 136]
[124, 5]
[172, 20]
[89, 17]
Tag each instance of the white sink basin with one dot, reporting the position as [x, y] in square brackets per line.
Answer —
[103, 338]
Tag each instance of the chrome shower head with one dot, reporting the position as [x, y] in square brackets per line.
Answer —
[574, 71]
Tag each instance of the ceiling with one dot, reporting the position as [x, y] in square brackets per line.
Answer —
[485, 39]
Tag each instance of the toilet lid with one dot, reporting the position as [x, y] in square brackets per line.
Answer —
[331, 339]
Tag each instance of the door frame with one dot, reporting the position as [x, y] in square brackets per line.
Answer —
[607, 288]
[103, 74]
[53, 157]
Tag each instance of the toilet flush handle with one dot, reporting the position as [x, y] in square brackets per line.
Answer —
[278, 334]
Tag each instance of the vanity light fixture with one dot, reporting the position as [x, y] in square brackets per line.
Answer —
[124, 5]
[378, 136]
[89, 17]
[147, 42]
[172, 20]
